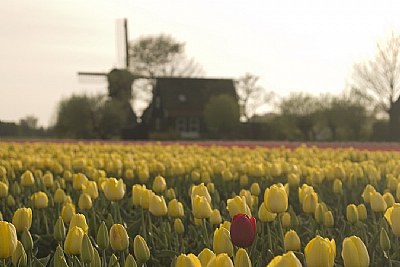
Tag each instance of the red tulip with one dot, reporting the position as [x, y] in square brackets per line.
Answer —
[243, 230]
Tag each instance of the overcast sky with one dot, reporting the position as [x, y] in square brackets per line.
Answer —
[292, 45]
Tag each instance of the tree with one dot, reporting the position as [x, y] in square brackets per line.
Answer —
[161, 55]
[251, 95]
[221, 115]
[379, 80]
[299, 111]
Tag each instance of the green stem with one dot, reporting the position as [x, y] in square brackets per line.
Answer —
[207, 237]
[269, 236]
[281, 232]
[143, 224]
[104, 258]
[46, 223]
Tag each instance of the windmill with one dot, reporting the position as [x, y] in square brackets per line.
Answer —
[120, 82]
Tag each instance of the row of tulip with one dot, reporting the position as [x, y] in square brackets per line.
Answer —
[197, 206]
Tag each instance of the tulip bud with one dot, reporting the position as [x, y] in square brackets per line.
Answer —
[389, 199]
[80, 221]
[114, 189]
[145, 198]
[59, 230]
[73, 241]
[85, 202]
[159, 184]
[201, 208]
[222, 241]
[354, 252]
[362, 212]
[384, 240]
[141, 250]
[113, 261]
[276, 198]
[367, 193]
[320, 212]
[157, 206]
[109, 220]
[195, 175]
[102, 236]
[288, 259]
[171, 193]
[205, 256]
[320, 252]
[67, 212]
[90, 188]
[328, 219]
[293, 179]
[119, 239]
[137, 194]
[378, 204]
[291, 241]
[264, 215]
[96, 261]
[16, 189]
[242, 258]
[78, 179]
[26, 240]
[10, 201]
[86, 249]
[40, 200]
[19, 257]
[8, 239]
[352, 213]
[22, 218]
[48, 179]
[130, 261]
[221, 260]
[59, 259]
[210, 187]
[200, 190]
[178, 226]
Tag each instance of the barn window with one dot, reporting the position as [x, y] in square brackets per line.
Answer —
[194, 124]
[181, 124]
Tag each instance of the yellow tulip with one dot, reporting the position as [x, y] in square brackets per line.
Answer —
[59, 196]
[90, 188]
[226, 225]
[293, 179]
[362, 212]
[264, 215]
[195, 260]
[137, 190]
[215, 217]
[367, 192]
[175, 209]
[310, 202]
[85, 202]
[255, 189]
[78, 179]
[392, 215]
[178, 226]
[22, 219]
[328, 219]
[352, 213]
[73, 241]
[200, 207]
[242, 258]
[276, 198]
[304, 190]
[157, 206]
[291, 241]
[286, 219]
[286, 260]
[378, 204]
[222, 241]
[8, 239]
[48, 179]
[237, 205]
[27, 179]
[354, 252]
[80, 221]
[67, 212]
[159, 184]
[320, 252]
[184, 261]
[40, 200]
[145, 198]
[141, 250]
[200, 190]
[221, 260]
[337, 187]
[205, 256]
[114, 189]
[3, 190]
[119, 239]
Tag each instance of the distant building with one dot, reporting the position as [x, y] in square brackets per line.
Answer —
[177, 106]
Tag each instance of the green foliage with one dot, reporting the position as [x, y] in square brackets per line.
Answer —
[221, 115]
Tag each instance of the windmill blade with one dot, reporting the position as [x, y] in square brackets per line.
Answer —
[92, 77]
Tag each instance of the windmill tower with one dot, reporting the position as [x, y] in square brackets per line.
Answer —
[120, 82]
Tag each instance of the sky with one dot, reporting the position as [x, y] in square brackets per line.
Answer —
[292, 46]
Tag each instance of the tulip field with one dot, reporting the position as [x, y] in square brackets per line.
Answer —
[151, 204]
